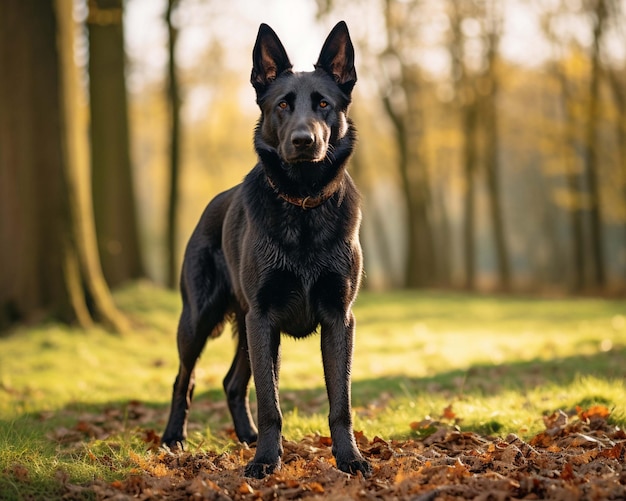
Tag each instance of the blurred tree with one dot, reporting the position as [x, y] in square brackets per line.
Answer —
[574, 181]
[112, 178]
[49, 254]
[582, 74]
[569, 142]
[477, 90]
[173, 98]
[559, 135]
[400, 95]
[467, 99]
[489, 110]
[597, 17]
[617, 81]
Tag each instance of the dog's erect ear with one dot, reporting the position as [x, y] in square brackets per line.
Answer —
[337, 57]
[269, 59]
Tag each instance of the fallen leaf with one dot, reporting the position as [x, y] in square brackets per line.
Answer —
[459, 470]
[315, 487]
[327, 441]
[568, 472]
[19, 472]
[116, 484]
[448, 413]
[422, 425]
[582, 440]
[202, 487]
[246, 488]
[360, 438]
[596, 411]
[615, 452]
[152, 438]
[571, 460]
[83, 427]
[558, 419]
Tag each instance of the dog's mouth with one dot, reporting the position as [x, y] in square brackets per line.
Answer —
[301, 160]
[277, 156]
[298, 157]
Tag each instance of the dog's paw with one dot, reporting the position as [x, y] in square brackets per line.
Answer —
[355, 465]
[258, 469]
[249, 439]
[173, 444]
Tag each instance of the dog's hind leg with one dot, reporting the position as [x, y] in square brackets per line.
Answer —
[204, 311]
[236, 386]
[176, 430]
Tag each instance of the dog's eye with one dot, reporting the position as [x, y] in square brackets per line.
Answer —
[283, 105]
[323, 104]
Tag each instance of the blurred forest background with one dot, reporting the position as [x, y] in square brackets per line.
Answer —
[492, 152]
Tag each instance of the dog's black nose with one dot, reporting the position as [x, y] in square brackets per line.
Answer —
[302, 139]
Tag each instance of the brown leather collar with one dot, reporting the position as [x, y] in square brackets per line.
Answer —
[302, 202]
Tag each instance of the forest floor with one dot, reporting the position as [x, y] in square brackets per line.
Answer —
[455, 397]
[579, 456]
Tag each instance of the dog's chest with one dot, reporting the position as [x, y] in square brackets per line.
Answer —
[305, 238]
[303, 274]
[295, 300]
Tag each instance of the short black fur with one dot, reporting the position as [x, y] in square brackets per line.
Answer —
[279, 253]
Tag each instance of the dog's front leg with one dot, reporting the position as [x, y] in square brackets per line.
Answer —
[264, 350]
[337, 347]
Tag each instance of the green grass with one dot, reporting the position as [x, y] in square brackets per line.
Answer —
[501, 362]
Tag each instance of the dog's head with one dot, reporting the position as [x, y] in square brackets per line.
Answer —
[303, 115]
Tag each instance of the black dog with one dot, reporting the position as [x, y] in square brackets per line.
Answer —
[280, 252]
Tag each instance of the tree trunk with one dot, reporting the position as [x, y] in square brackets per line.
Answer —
[619, 94]
[469, 114]
[467, 100]
[33, 245]
[591, 156]
[419, 258]
[47, 269]
[494, 195]
[174, 105]
[573, 182]
[443, 242]
[576, 223]
[112, 179]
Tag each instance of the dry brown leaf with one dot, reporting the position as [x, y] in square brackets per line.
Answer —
[19, 472]
[326, 441]
[361, 439]
[596, 411]
[315, 487]
[448, 413]
[615, 452]
[568, 472]
[573, 459]
[458, 471]
[556, 420]
[246, 488]
[424, 424]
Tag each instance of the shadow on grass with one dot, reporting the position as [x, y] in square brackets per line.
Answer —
[491, 379]
[479, 381]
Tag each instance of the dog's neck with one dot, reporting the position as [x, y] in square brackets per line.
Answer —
[306, 189]
[302, 202]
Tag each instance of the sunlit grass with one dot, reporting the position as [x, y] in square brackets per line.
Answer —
[499, 362]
